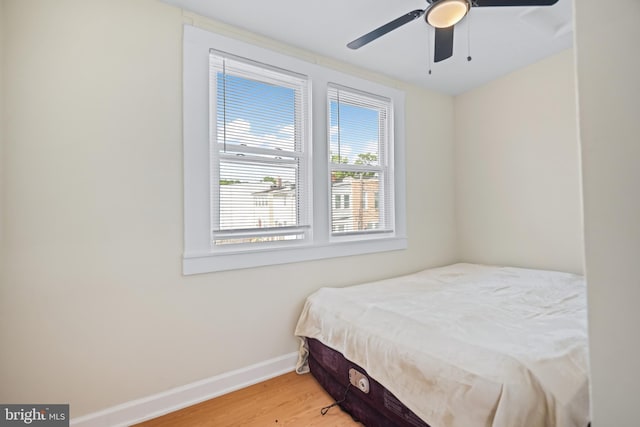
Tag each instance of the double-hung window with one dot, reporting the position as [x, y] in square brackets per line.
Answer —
[361, 148]
[285, 160]
[259, 147]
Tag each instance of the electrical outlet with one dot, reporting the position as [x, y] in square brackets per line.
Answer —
[359, 380]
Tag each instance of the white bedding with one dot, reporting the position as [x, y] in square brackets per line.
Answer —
[465, 345]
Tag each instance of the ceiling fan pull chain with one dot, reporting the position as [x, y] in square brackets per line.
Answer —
[469, 38]
[429, 50]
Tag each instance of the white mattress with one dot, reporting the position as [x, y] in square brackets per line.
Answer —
[465, 345]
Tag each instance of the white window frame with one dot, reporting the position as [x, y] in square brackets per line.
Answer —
[246, 68]
[199, 256]
[385, 151]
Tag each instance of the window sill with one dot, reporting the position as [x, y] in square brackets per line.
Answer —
[209, 262]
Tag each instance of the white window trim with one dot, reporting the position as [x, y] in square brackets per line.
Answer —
[198, 255]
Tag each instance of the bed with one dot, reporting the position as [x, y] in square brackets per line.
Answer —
[458, 346]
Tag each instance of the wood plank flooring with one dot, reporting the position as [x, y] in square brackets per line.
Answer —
[289, 400]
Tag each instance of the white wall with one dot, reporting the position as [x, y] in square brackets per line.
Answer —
[609, 102]
[517, 169]
[95, 311]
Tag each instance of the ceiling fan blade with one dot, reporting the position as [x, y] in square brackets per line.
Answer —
[485, 3]
[443, 44]
[381, 31]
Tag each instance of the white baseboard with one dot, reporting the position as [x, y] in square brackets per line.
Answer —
[159, 404]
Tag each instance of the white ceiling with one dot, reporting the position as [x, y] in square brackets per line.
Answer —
[503, 39]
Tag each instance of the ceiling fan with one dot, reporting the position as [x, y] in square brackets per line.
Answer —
[442, 15]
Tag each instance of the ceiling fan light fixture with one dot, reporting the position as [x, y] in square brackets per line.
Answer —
[445, 13]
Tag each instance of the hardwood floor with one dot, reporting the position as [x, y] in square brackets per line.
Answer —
[290, 400]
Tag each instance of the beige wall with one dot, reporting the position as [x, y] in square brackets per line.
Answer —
[517, 169]
[94, 308]
[2, 178]
[609, 102]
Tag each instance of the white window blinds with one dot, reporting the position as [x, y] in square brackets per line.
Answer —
[360, 133]
[259, 145]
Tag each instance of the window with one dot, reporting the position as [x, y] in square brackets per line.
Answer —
[259, 154]
[258, 189]
[360, 145]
